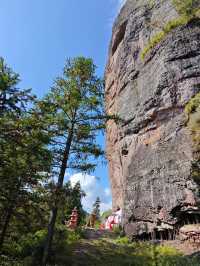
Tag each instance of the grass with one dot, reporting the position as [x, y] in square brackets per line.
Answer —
[188, 10]
[106, 252]
[192, 109]
[193, 104]
[110, 252]
[158, 37]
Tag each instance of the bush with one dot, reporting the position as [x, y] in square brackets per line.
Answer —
[12, 249]
[7, 261]
[33, 243]
[63, 242]
[122, 240]
[32, 246]
[28, 249]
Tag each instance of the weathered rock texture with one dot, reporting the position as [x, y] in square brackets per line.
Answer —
[150, 153]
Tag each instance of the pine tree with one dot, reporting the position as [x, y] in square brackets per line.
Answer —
[73, 114]
[72, 197]
[23, 151]
[13, 100]
[96, 207]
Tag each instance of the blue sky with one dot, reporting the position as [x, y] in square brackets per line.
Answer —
[38, 35]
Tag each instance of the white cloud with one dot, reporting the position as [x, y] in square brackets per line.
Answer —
[93, 189]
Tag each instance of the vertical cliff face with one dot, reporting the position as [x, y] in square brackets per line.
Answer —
[151, 152]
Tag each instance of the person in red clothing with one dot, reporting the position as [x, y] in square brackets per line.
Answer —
[114, 219]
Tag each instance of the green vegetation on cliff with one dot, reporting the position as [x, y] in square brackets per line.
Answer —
[193, 105]
[192, 109]
[187, 10]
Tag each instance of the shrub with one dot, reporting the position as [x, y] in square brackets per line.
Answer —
[33, 243]
[122, 240]
[28, 249]
[7, 261]
[118, 230]
[12, 249]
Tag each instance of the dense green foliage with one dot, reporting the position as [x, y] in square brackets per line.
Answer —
[39, 141]
[187, 10]
[73, 114]
[28, 249]
[24, 156]
[72, 197]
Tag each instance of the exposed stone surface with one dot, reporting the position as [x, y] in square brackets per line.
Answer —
[150, 152]
[190, 232]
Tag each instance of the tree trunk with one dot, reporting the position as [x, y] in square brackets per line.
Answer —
[49, 239]
[13, 199]
[54, 211]
[5, 226]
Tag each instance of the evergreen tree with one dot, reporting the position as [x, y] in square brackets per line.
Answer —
[96, 207]
[72, 198]
[73, 114]
[12, 99]
[23, 151]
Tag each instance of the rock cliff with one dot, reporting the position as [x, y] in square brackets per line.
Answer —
[151, 150]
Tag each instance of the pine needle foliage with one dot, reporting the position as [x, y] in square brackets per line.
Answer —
[73, 114]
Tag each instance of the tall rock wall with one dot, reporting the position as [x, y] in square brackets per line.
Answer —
[150, 151]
